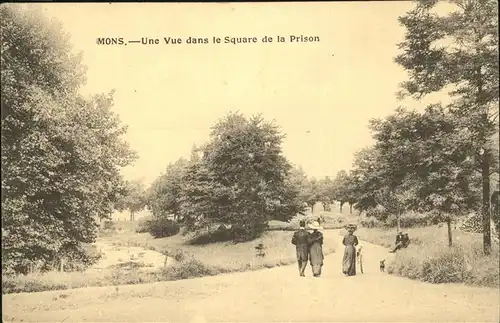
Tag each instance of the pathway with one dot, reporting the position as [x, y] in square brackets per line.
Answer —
[268, 295]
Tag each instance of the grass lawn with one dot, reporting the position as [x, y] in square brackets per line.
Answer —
[194, 260]
[240, 256]
[429, 258]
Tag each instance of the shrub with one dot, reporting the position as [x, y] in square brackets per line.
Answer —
[275, 225]
[222, 234]
[473, 223]
[179, 255]
[391, 221]
[379, 212]
[247, 231]
[27, 284]
[370, 222]
[438, 264]
[109, 225]
[188, 269]
[160, 227]
[143, 225]
[413, 219]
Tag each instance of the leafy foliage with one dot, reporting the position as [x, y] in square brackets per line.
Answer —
[419, 162]
[61, 154]
[241, 181]
[428, 157]
[458, 52]
[160, 227]
[164, 197]
[133, 198]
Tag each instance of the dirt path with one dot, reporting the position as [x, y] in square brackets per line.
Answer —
[267, 295]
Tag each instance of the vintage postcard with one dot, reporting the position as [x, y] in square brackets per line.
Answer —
[250, 162]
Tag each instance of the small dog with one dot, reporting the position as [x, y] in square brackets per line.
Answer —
[382, 265]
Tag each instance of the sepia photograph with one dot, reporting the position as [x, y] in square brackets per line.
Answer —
[250, 162]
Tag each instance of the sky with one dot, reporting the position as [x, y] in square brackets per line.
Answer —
[322, 95]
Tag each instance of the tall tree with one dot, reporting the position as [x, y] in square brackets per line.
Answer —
[425, 164]
[326, 192]
[312, 193]
[298, 187]
[340, 184]
[458, 51]
[195, 154]
[61, 154]
[165, 192]
[366, 178]
[241, 180]
[134, 199]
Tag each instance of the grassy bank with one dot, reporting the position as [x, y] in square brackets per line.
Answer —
[430, 259]
[192, 261]
[277, 245]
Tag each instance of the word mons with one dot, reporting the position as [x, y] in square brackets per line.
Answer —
[150, 41]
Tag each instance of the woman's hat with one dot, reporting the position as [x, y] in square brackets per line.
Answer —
[315, 225]
[351, 227]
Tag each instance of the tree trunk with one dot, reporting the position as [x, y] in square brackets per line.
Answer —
[485, 174]
[131, 216]
[341, 204]
[312, 208]
[398, 221]
[350, 208]
[448, 223]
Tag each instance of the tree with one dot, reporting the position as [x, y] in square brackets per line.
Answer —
[326, 192]
[312, 193]
[458, 51]
[61, 154]
[241, 181]
[195, 157]
[164, 196]
[134, 199]
[339, 188]
[351, 195]
[424, 163]
[366, 179]
[297, 178]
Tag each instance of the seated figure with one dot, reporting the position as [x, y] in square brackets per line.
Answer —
[406, 240]
[399, 242]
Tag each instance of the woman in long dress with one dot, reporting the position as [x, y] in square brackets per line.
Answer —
[316, 249]
[349, 262]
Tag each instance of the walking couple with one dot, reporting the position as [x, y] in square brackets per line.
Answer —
[309, 247]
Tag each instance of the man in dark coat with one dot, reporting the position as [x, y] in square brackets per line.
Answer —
[399, 242]
[301, 241]
[406, 240]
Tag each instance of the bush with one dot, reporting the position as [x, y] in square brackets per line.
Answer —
[222, 234]
[370, 222]
[109, 225]
[391, 221]
[473, 223]
[160, 227]
[379, 212]
[179, 255]
[143, 225]
[407, 220]
[455, 264]
[413, 219]
[188, 269]
[275, 225]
